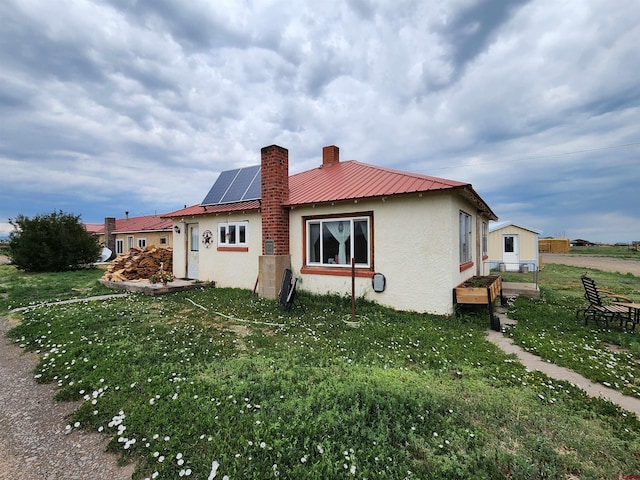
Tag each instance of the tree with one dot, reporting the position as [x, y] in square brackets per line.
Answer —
[51, 243]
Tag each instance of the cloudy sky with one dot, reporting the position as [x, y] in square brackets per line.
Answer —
[109, 106]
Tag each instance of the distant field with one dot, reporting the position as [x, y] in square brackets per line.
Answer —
[617, 251]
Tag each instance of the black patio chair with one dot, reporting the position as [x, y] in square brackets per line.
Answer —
[604, 305]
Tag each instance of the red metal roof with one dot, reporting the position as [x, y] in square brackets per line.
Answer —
[94, 228]
[147, 223]
[195, 210]
[352, 180]
[342, 181]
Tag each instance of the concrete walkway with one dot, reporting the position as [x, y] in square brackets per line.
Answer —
[533, 362]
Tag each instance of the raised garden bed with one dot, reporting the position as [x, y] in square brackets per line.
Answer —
[480, 290]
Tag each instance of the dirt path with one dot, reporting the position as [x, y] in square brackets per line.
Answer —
[608, 264]
[33, 443]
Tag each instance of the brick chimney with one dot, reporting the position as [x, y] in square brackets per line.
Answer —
[275, 220]
[275, 191]
[330, 155]
[109, 237]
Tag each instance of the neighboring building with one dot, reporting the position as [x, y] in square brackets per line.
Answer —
[579, 242]
[95, 229]
[120, 235]
[554, 245]
[513, 246]
[426, 235]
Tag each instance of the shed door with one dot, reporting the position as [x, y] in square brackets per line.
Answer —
[511, 252]
[193, 247]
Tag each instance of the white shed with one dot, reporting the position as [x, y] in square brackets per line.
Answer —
[514, 246]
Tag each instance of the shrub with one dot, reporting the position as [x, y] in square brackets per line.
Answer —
[51, 243]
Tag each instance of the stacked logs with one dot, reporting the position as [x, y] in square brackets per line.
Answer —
[140, 264]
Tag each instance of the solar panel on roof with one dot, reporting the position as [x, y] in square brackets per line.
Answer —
[254, 191]
[219, 187]
[235, 186]
[237, 190]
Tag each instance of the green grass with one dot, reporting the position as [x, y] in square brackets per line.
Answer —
[548, 327]
[19, 289]
[214, 375]
[624, 252]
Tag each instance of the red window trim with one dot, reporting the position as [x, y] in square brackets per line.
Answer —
[366, 272]
[337, 271]
[466, 266]
[233, 249]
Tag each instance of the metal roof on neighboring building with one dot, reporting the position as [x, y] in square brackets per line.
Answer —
[94, 228]
[147, 223]
[499, 226]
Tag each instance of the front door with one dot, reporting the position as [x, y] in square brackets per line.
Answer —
[193, 248]
[510, 252]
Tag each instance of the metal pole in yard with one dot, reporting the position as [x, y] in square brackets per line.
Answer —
[353, 289]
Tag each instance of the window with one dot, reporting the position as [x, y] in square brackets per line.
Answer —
[119, 246]
[129, 242]
[194, 243]
[509, 244]
[232, 234]
[335, 241]
[485, 240]
[142, 242]
[465, 237]
[163, 240]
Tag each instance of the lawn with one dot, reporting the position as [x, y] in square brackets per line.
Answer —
[548, 328]
[215, 383]
[618, 251]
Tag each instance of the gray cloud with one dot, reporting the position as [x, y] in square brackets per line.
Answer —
[110, 105]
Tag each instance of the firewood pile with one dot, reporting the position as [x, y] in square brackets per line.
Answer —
[140, 264]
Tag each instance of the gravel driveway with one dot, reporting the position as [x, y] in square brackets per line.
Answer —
[33, 443]
[608, 264]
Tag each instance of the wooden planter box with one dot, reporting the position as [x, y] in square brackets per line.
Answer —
[480, 291]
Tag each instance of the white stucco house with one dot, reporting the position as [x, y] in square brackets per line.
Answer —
[424, 234]
[514, 246]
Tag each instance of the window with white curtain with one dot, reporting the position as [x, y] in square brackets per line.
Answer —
[333, 242]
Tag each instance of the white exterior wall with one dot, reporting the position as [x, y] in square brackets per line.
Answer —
[416, 247]
[236, 269]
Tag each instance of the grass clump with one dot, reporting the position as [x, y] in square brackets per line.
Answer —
[215, 380]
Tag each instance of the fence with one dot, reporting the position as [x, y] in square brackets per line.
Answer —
[553, 245]
[520, 272]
